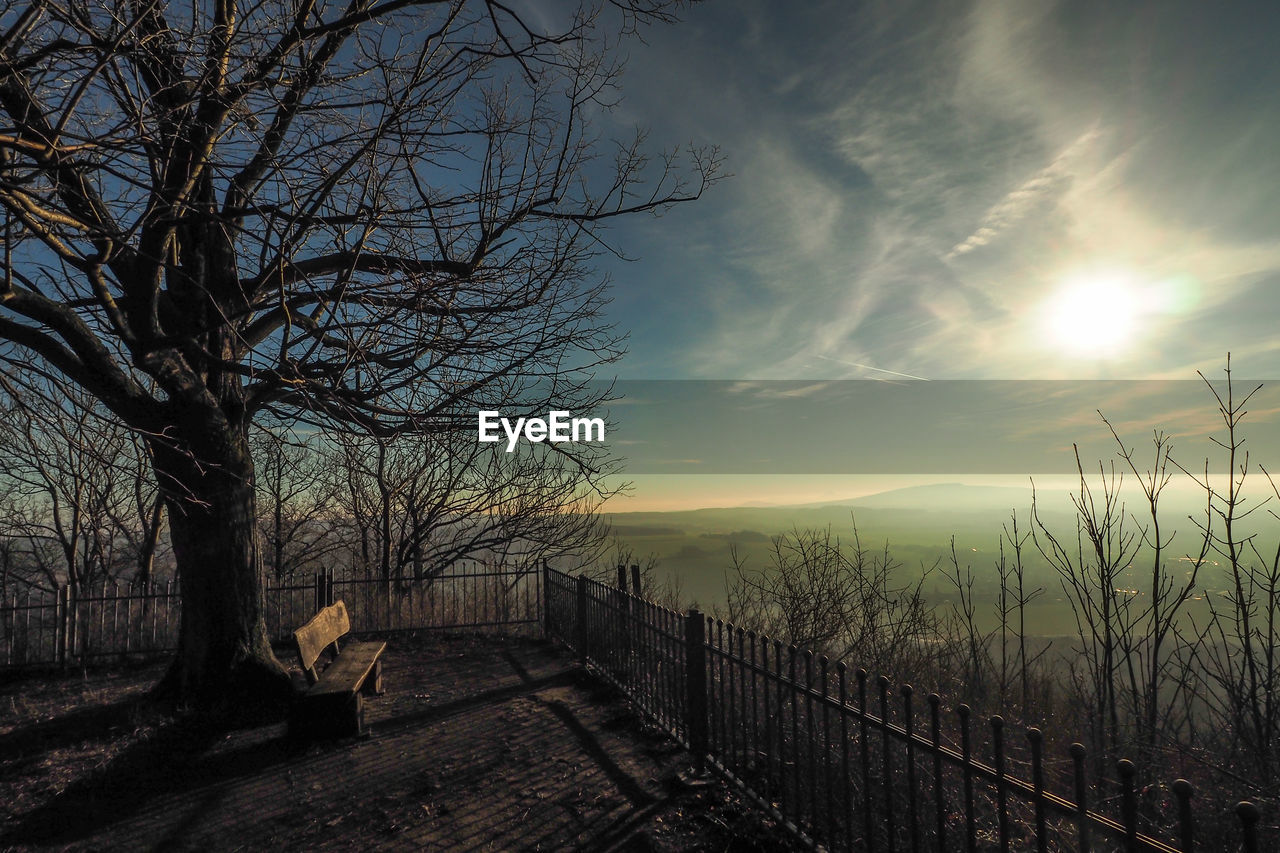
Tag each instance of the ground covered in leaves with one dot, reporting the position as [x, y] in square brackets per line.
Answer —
[476, 745]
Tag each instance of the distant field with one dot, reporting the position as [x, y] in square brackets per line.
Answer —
[694, 546]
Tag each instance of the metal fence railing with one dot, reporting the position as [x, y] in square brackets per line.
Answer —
[65, 626]
[846, 761]
[468, 595]
[60, 625]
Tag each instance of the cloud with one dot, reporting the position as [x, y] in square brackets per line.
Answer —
[914, 182]
[1046, 184]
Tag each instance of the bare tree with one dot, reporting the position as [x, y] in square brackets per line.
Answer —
[611, 552]
[374, 216]
[1092, 572]
[964, 633]
[836, 598]
[408, 507]
[1011, 569]
[79, 506]
[295, 502]
[1153, 649]
[1240, 652]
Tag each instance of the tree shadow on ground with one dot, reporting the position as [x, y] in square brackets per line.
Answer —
[81, 725]
[177, 757]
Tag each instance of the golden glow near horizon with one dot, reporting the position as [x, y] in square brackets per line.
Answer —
[1094, 314]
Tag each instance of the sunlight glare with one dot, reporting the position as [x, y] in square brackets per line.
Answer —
[1094, 314]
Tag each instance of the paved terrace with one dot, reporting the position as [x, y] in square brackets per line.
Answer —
[477, 745]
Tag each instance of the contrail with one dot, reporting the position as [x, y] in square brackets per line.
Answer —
[869, 367]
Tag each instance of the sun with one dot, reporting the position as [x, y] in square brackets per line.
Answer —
[1093, 314]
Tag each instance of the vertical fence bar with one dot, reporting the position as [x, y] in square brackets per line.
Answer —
[580, 632]
[9, 654]
[939, 797]
[104, 644]
[886, 761]
[635, 579]
[730, 748]
[784, 796]
[548, 629]
[846, 799]
[755, 704]
[1036, 739]
[168, 609]
[128, 616]
[868, 826]
[73, 622]
[811, 796]
[908, 717]
[61, 623]
[695, 686]
[715, 685]
[1186, 826]
[115, 616]
[744, 730]
[772, 767]
[966, 751]
[828, 806]
[1128, 804]
[1002, 805]
[1082, 796]
[1249, 815]
[796, 802]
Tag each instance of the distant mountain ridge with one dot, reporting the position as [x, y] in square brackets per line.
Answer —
[940, 496]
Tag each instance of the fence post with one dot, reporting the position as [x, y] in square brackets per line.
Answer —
[61, 624]
[1186, 826]
[546, 599]
[635, 579]
[1128, 803]
[318, 585]
[580, 634]
[695, 670]
[69, 636]
[622, 577]
[1249, 815]
[1082, 793]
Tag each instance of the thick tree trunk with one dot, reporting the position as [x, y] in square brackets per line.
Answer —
[224, 661]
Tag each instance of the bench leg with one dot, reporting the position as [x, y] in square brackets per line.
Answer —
[331, 715]
[373, 682]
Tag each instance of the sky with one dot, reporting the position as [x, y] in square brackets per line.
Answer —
[960, 190]
[937, 190]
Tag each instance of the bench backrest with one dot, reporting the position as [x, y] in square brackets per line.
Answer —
[322, 631]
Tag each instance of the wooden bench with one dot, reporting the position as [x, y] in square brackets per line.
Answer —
[332, 705]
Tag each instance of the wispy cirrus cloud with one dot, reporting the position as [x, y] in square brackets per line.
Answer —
[1048, 183]
[914, 182]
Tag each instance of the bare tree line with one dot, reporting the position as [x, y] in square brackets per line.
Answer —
[79, 506]
[1174, 657]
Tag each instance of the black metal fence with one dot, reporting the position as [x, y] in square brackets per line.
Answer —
[847, 761]
[60, 626]
[63, 626]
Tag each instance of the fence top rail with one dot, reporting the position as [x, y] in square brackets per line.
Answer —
[447, 575]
